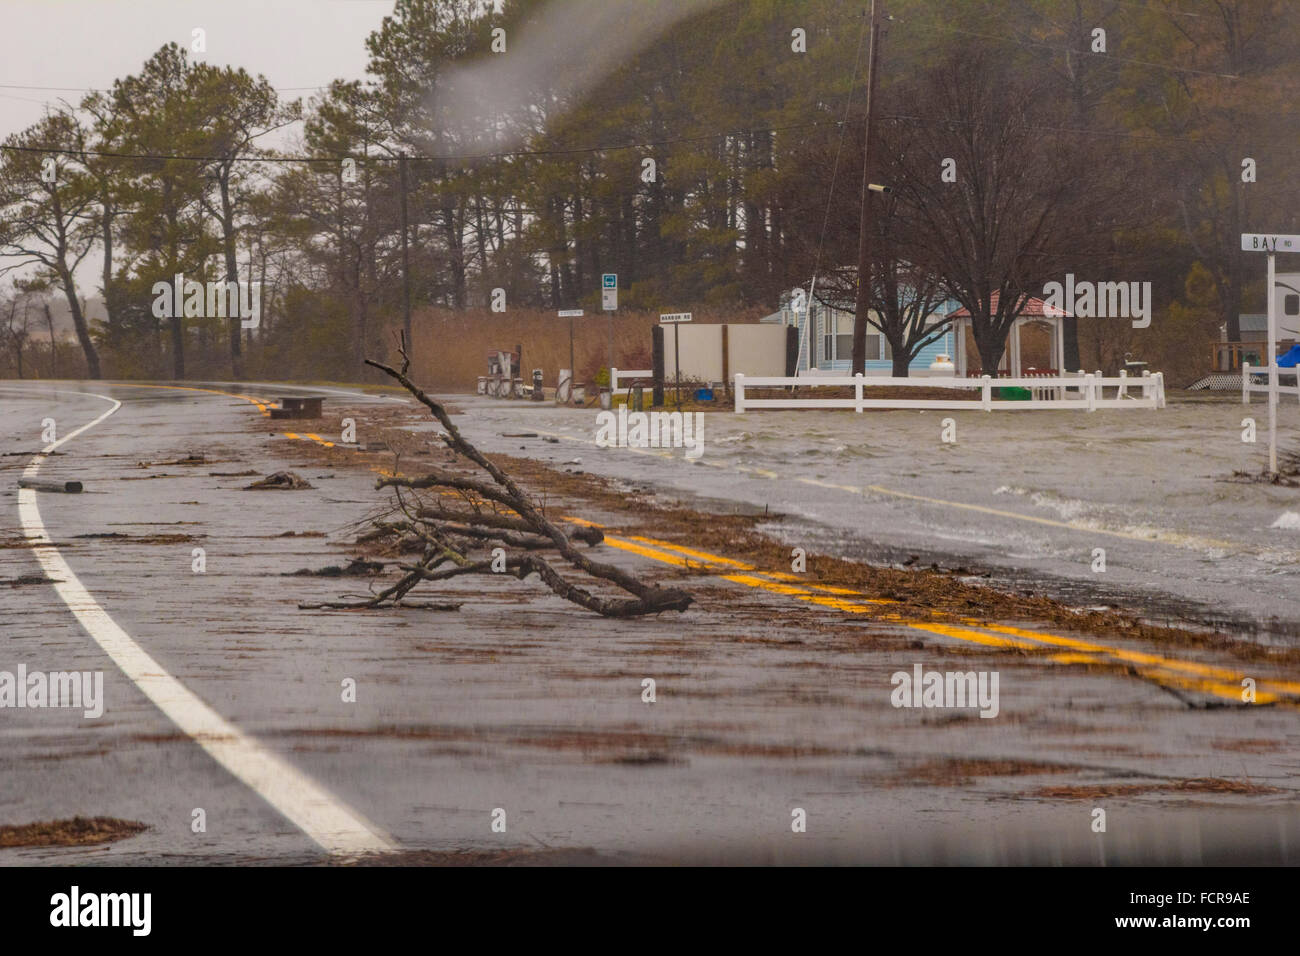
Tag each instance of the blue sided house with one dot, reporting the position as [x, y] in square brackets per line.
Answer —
[829, 349]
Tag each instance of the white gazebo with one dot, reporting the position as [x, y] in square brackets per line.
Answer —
[1036, 342]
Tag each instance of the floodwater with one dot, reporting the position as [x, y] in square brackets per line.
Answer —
[1032, 497]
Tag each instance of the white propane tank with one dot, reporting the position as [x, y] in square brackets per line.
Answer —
[942, 365]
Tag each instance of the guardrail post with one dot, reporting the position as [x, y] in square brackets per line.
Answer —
[986, 393]
[1089, 391]
[740, 393]
[857, 392]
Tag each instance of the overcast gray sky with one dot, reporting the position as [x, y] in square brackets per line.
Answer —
[86, 44]
[62, 48]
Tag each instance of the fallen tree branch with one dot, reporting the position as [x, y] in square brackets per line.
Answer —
[511, 520]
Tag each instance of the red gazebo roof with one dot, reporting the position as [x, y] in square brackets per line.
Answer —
[1033, 308]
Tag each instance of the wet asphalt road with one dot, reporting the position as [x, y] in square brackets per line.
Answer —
[524, 703]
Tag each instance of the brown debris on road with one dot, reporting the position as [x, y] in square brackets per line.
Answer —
[79, 831]
[959, 771]
[281, 480]
[357, 567]
[1199, 785]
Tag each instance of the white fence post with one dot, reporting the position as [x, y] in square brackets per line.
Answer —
[857, 392]
[1160, 389]
[986, 393]
[1089, 391]
[613, 380]
[740, 393]
[1245, 383]
[1123, 386]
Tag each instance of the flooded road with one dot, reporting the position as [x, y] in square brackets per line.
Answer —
[1030, 496]
[765, 705]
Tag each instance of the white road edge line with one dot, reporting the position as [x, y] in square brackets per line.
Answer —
[331, 824]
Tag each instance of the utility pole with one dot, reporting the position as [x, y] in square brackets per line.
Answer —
[406, 261]
[864, 216]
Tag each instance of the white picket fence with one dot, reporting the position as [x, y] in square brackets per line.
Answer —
[1247, 386]
[616, 373]
[1085, 391]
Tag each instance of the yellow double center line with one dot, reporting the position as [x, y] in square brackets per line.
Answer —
[1221, 682]
[309, 436]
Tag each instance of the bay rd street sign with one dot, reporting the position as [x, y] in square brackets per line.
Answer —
[1261, 242]
[1272, 244]
[609, 291]
[675, 319]
[570, 313]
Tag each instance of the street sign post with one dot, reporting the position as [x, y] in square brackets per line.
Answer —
[1272, 244]
[675, 319]
[571, 314]
[609, 302]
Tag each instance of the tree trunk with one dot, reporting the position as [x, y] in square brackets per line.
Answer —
[1070, 341]
[178, 347]
[54, 348]
[79, 323]
[990, 354]
[232, 275]
[110, 296]
[902, 364]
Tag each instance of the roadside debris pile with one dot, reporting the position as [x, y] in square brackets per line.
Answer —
[281, 480]
[357, 567]
[78, 831]
[1287, 476]
[495, 528]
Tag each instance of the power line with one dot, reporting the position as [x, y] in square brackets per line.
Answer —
[556, 151]
[614, 147]
[95, 89]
